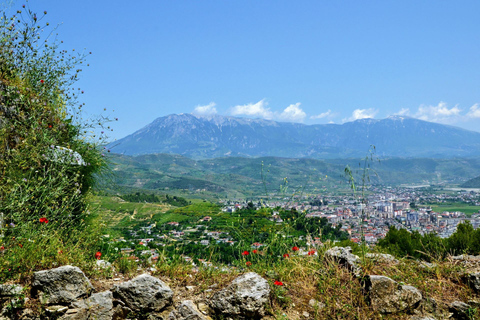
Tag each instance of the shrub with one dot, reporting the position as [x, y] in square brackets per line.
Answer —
[47, 164]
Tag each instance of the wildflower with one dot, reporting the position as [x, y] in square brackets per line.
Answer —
[12, 224]
[60, 251]
[98, 255]
[2, 248]
[25, 180]
[311, 252]
[255, 251]
[245, 253]
[295, 248]
[20, 245]
[278, 283]
[286, 255]
[248, 263]
[43, 220]
[141, 243]
[41, 81]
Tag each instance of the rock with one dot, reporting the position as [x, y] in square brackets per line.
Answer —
[305, 314]
[316, 304]
[61, 285]
[103, 264]
[10, 290]
[460, 310]
[387, 296]
[473, 280]
[190, 288]
[203, 307]
[186, 311]
[427, 265]
[422, 318]
[98, 306]
[246, 297]
[346, 258]
[144, 294]
[381, 257]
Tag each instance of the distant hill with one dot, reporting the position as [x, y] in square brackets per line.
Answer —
[219, 136]
[234, 177]
[472, 183]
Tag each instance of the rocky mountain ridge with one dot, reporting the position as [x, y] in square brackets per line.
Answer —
[219, 136]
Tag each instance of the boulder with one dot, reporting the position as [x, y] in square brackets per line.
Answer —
[98, 306]
[186, 311]
[245, 298]
[473, 280]
[61, 285]
[144, 294]
[346, 258]
[387, 296]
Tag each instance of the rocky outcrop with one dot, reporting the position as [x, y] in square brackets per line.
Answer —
[98, 306]
[346, 258]
[62, 285]
[387, 296]
[382, 257]
[245, 298]
[144, 294]
[187, 310]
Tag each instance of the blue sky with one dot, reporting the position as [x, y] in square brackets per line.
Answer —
[303, 61]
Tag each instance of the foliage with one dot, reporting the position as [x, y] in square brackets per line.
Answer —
[47, 164]
[430, 246]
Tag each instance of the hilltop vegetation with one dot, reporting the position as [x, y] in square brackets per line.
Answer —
[247, 177]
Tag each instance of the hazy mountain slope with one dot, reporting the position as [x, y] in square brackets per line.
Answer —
[218, 136]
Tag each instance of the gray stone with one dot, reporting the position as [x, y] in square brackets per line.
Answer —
[144, 293]
[186, 311]
[460, 310]
[98, 306]
[387, 296]
[316, 304]
[381, 257]
[473, 280]
[61, 285]
[245, 298]
[346, 258]
[10, 290]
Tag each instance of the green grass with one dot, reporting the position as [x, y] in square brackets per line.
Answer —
[462, 207]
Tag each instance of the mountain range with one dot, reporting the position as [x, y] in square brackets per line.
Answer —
[200, 137]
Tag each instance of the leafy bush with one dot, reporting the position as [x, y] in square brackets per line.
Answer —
[47, 164]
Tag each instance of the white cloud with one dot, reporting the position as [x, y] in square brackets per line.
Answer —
[293, 113]
[438, 113]
[207, 110]
[362, 114]
[258, 109]
[474, 111]
[322, 115]
[403, 112]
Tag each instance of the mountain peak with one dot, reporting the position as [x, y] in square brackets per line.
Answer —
[218, 136]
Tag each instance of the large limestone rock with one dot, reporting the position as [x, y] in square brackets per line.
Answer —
[245, 298]
[98, 306]
[61, 285]
[346, 258]
[387, 296]
[186, 311]
[144, 294]
[473, 280]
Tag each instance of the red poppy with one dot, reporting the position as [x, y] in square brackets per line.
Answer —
[141, 243]
[41, 81]
[98, 255]
[20, 245]
[49, 125]
[43, 220]
[311, 252]
[2, 248]
[278, 283]
[60, 251]
[255, 251]
[248, 263]
[286, 255]
[295, 248]
[245, 253]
